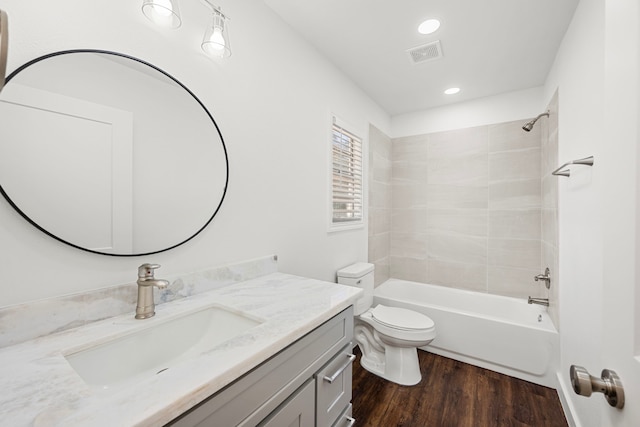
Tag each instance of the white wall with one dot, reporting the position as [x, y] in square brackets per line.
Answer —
[478, 112]
[272, 101]
[578, 72]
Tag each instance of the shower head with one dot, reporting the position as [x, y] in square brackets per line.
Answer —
[529, 125]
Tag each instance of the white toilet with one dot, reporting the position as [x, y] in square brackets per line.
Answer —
[388, 337]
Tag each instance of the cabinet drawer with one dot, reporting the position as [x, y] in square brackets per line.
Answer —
[333, 387]
[345, 419]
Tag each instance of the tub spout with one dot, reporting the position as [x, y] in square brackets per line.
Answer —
[540, 301]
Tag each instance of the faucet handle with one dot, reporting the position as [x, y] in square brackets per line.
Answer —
[145, 271]
[546, 277]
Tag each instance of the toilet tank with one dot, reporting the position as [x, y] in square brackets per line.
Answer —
[359, 275]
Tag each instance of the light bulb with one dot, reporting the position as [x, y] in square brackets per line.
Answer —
[216, 39]
[162, 7]
[429, 26]
[162, 12]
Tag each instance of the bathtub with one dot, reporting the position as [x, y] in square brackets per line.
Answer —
[502, 334]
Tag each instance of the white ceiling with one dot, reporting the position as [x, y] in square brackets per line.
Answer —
[489, 46]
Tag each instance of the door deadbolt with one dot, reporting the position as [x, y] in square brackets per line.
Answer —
[584, 384]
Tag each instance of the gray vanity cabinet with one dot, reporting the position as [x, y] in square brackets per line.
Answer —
[296, 411]
[307, 384]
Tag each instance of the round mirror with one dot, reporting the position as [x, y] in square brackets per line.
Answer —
[109, 154]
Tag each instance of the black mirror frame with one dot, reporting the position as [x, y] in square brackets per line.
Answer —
[224, 192]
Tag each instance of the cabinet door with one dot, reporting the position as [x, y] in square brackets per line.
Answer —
[297, 411]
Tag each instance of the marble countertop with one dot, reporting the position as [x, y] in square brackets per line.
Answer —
[39, 387]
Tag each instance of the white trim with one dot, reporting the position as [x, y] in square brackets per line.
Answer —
[565, 401]
[363, 136]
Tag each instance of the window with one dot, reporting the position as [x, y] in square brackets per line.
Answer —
[346, 182]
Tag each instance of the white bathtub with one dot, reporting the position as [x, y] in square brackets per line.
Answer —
[503, 334]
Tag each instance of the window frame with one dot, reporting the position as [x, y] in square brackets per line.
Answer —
[356, 133]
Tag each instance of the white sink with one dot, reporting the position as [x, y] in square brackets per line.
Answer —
[158, 347]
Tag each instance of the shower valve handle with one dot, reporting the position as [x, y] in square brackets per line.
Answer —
[546, 277]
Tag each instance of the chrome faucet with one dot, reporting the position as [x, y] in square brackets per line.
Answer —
[146, 307]
[539, 301]
[546, 277]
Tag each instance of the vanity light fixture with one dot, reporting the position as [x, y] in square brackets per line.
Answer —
[162, 12]
[167, 14]
[216, 39]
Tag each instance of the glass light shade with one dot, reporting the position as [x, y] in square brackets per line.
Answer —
[162, 12]
[216, 39]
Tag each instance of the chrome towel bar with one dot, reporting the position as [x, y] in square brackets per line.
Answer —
[561, 171]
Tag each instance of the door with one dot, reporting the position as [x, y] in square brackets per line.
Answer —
[621, 208]
[98, 193]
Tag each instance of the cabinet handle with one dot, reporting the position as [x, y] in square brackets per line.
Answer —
[351, 421]
[335, 375]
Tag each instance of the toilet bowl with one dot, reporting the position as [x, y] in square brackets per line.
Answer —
[388, 337]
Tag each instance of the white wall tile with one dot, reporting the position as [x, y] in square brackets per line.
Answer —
[409, 195]
[408, 245]
[457, 248]
[469, 170]
[412, 149]
[549, 223]
[515, 223]
[470, 208]
[515, 282]
[413, 269]
[471, 222]
[514, 165]
[457, 144]
[510, 136]
[409, 172]
[519, 194]
[409, 220]
[514, 253]
[451, 196]
[457, 275]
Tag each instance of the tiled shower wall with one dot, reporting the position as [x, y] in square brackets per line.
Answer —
[466, 209]
[474, 208]
[379, 203]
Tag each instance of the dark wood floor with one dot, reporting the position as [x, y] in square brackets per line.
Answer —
[453, 394]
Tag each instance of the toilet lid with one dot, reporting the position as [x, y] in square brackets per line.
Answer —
[401, 318]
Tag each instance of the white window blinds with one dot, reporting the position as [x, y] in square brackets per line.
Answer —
[347, 176]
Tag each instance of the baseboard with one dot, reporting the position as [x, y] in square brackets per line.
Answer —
[564, 391]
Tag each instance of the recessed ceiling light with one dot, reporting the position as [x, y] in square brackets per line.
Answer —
[429, 26]
[452, 90]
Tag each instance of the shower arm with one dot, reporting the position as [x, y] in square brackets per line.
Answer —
[561, 171]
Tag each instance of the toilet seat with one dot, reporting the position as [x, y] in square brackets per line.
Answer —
[401, 318]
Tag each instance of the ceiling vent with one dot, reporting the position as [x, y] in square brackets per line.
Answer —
[426, 52]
